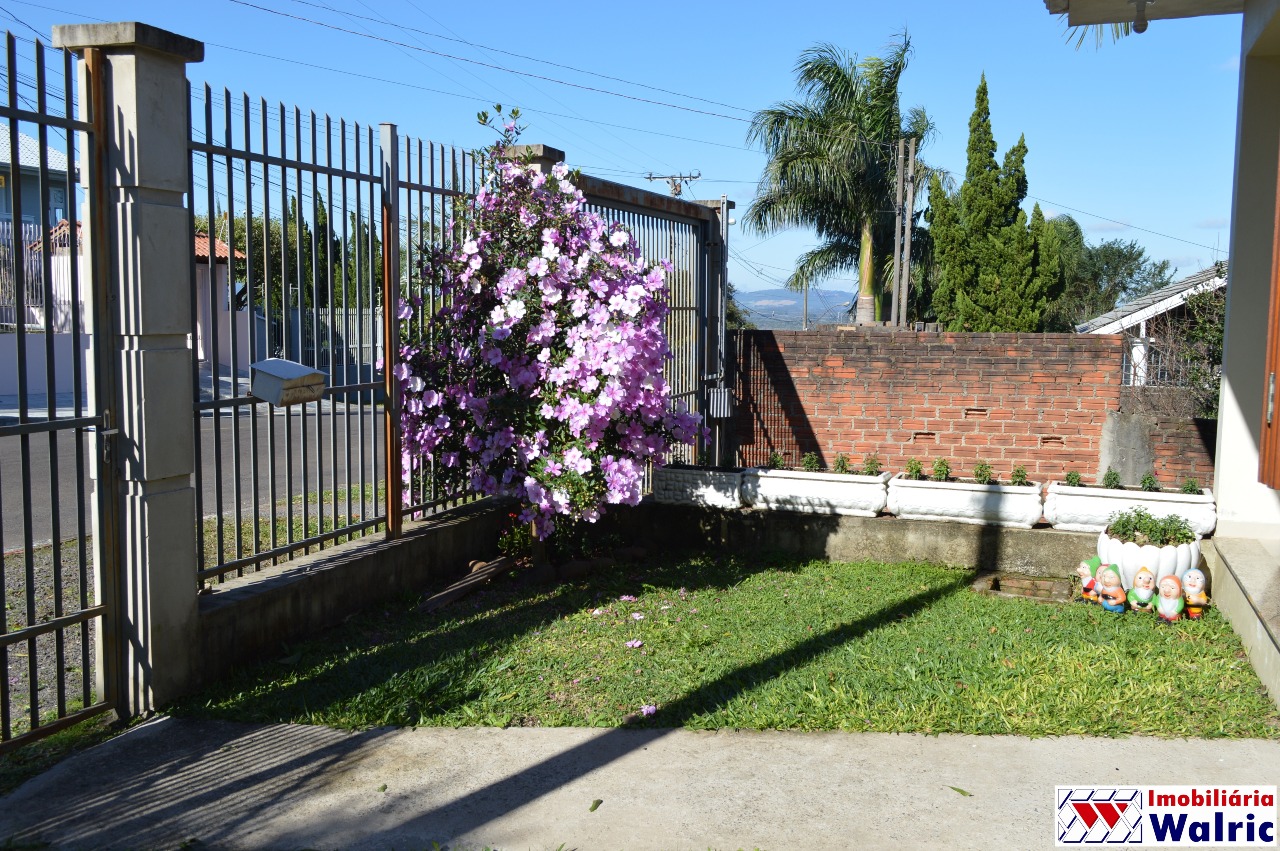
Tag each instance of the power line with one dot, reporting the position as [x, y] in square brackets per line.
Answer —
[488, 64]
[491, 49]
[1126, 224]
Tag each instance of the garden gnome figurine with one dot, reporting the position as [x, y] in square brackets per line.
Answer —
[1142, 594]
[1169, 604]
[1111, 589]
[1088, 571]
[1193, 592]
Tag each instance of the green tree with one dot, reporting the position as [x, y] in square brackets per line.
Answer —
[832, 163]
[1098, 277]
[736, 318]
[996, 270]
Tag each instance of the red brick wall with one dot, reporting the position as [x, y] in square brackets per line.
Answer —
[1184, 449]
[1039, 400]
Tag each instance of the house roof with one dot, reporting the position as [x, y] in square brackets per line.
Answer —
[1154, 303]
[59, 234]
[29, 153]
[220, 248]
[1086, 12]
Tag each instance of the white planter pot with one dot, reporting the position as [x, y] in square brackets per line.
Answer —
[1088, 509]
[815, 493]
[966, 502]
[1162, 561]
[701, 486]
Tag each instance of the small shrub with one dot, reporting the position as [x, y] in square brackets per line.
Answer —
[871, 465]
[516, 540]
[1191, 486]
[914, 469]
[1137, 525]
[841, 464]
[941, 470]
[809, 462]
[1175, 530]
[1073, 479]
[1111, 479]
[1018, 476]
[1130, 524]
[776, 461]
[1149, 482]
[982, 473]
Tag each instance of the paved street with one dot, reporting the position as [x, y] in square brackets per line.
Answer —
[333, 445]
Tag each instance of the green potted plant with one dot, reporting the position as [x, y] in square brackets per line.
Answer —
[1135, 538]
[840, 490]
[1075, 508]
[981, 499]
[701, 484]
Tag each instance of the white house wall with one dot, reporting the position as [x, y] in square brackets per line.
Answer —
[64, 348]
[1247, 508]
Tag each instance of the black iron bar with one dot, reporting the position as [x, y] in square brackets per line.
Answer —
[233, 332]
[51, 311]
[286, 313]
[211, 344]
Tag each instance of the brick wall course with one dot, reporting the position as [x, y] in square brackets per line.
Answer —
[968, 397]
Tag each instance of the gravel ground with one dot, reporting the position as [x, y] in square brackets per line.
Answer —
[73, 640]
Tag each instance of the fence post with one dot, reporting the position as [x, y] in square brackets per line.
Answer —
[390, 144]
[148, 247]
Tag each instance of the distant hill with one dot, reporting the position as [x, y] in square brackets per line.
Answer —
[782, 310]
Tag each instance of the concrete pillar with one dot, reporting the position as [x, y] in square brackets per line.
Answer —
[151, 624]
[1247, 508]
[544, 156]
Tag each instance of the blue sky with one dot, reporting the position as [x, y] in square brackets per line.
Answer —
[1140, 132]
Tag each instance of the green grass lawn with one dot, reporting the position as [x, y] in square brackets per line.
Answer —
[769, 643]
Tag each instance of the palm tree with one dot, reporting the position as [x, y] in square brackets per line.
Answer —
[832, 164]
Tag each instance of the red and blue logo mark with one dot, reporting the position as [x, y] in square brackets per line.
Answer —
[1094, 816]
[1165, 816]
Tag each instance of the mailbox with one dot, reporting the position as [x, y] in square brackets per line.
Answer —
[285, 382]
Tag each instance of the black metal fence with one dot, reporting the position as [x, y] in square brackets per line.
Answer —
[50, 619]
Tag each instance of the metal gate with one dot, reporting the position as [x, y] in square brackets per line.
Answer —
[55, 580]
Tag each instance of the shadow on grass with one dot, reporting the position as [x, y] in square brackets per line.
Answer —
[483, 626]
[532, 783]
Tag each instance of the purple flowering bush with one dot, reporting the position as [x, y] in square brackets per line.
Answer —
[543, 379]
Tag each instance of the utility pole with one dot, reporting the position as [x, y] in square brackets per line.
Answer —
[675, 181]
[897, 240]
[909, 216]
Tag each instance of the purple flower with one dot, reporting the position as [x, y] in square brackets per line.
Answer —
[634, 643]
[648, 709]
[627, 598]
[636, 616]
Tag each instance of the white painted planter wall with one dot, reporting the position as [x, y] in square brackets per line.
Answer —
[965, 502]
[814, 493]
[1088, 509]
[698, 486]
[1162, 561]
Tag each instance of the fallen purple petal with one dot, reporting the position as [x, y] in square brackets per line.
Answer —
[635, 642]
[636, 616]
[648, 709]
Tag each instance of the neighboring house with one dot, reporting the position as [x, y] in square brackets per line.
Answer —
[1138, 319]
[29, 180]
[1247, 477]
[57, 319]
[220, 299]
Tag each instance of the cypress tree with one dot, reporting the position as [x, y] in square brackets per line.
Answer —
[989, 256]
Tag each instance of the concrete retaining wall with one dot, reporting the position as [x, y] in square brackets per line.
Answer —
[251, 617]
[1037, 552]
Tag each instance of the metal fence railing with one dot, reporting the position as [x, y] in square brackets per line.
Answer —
[50, 620]
[313, 225]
